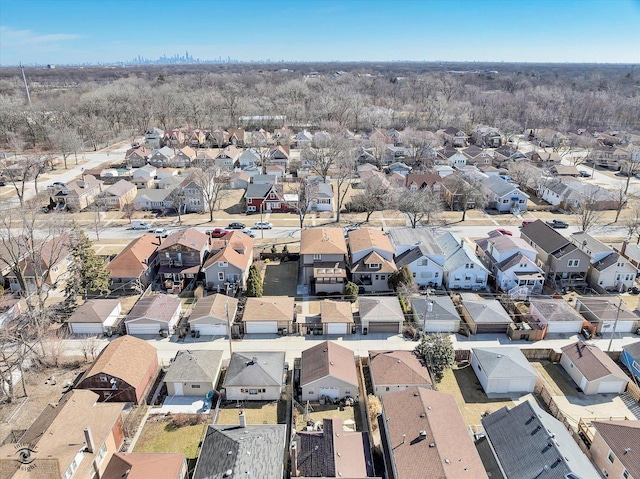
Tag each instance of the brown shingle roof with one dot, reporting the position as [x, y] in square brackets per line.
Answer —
[322, 241]
[623, 438]
[139, 465]
[269, 308]
[94, 311]
[131, 262]
[398, 367]
[428, 436]
[190, 238]
[127, 358]
[592, 362]
[158, 306]
[120, 188]
[328, 359]
[216, 307]
[335, 311]
[365, 238]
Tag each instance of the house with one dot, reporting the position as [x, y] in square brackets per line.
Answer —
[525, 441]
[593, 371]
[462, 268]
[197, 138]
[142, 183]
[169, 182]
[333, 451]
[543, 158]
[424, 436]
[195, 194]
[51, 263]
[564, 264]
[609, 156]
[512, 261]
[226, 159]
[233, 451]
[213, 315]
[484, 315]
[260, 137]
[239, 180]
[323, 254]
[227, 267]
[174, 138]
[608, 270]
[267, 198]
[119, 194]
[565, 170]
[435, 314]
[556, 315]
[193, 373]
[607, 313]
[487, 136]
[420, 181]
[371, 259]
[135, 266]
[397, 370]
[153, 199]
[181, 255]
[507, 153]
[154, 137]
[268, 315]
[399, 167]
[249, 158]
[320, 196]
[303, 139]
[237, 136]
[381, 314]
[504, 196]
[162, 173]
[137, 157]
[477, 156]
[279, 156]
[570, 194]
[260, 179]
[161, 157]
[124, 371]
[217, 138]
[328, 370]
[394, 154]
[417, 249]
[154, 314]
[503, 370]
[612, 448]
[78, 194]
[336, 317]
[443, 170]
[139, 465]
[96, 316]
[77, 437]
[631, 358]
[455, 137]
[255, 376]
[276, 170]
[452, 158]
[145, 171]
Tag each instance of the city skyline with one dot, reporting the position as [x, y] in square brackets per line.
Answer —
[117, 31]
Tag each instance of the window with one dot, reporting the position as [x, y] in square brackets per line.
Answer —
[611, 457]
[195, 386]
[423, 262]
[222, 264]
[317, 257]
[636, 366]
[625, 474]
[310, 391]
[573, 263]
[436, 274]
[347, 392]
[387, 388]
[101, 453]
[220, 276]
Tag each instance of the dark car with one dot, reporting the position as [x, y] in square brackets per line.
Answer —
[584, 174]
[237, 226]
[558, 224]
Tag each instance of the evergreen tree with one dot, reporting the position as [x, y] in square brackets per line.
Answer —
[88, 272]
[438, 353]
[402, 276]
[254, 282]
[351, 292]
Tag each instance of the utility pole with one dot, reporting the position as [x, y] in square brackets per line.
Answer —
[226, 308]
[26, 86]
[615, 324]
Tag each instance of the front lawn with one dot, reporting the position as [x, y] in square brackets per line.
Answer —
[161, 435]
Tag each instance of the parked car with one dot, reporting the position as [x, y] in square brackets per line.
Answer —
[161, 232]
[236, 226]
[558, 224]
[140, 225]
[3, 183]
[248, 232]
[59, 183]
[503, 231]
[584, 174]
[217, 233]
[526, 222]
[263, 225]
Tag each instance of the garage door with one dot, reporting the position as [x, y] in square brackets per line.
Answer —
[609, 387]
[383, 327]
[141, 329]
[85, 328]
[262, 327]
[441, 326]
[332, 393]
[337, 328]
[564, 327]
[519, 385]
[211, 329]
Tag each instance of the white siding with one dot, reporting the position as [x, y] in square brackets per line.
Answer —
[261, 327]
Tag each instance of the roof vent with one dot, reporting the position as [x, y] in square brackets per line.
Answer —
[432, 444]
[416, 393]
[447, 461]
[627, 450]
[423, 433]
[227, 473]
[423, 415]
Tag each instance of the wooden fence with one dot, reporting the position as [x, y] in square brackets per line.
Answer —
[634, 390]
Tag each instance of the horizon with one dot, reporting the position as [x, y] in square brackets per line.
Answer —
[75, 33]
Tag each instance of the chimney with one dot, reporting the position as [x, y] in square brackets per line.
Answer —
[295, 472]
[243, 418]
[624, 247]
[88, 439]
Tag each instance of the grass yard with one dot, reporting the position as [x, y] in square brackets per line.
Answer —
[329, 411]
[160, 435]
[556, 380]
[472, 401]
[281, 279]
[256, 412]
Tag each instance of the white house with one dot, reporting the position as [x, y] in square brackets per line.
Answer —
[417, 249]
[304, 139]
[593, 371]
[96, 316]
[462, 268]
[255, 376]
[503, 370]
[249, 158]
[320, 197]
[504, 196]
[153, 314]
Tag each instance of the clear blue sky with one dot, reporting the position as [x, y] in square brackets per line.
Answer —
[76, 31]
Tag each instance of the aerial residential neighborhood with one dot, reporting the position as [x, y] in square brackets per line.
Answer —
[282, 253]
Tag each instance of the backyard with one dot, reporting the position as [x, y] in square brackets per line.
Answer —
[317, 412]
[280, 278]
[256, 412]
[462, 383]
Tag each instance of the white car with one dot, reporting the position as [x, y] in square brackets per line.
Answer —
[263, 225]
[162, 232]
[248, 232]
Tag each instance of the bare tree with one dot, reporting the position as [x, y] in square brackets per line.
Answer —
[325, 155]
[632, 224]
[21, 170]
[344, 172]
[630, 168]
[587, 213]
[213, 190]
[67, 141]
[304, 201]
[99, 208]
[419, 206]
[129, 210]
[178, 202]
[374, 197]
[464, 193]
[620, 199]
[90, 347]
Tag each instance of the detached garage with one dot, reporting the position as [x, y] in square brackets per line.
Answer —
[381, 315]
[268, 315]
[503, 370]
[557, 315]
[152, 314]
[592, 369]
[213, 315]
[96, 316]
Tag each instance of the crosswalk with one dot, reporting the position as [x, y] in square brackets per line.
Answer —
[632, 404]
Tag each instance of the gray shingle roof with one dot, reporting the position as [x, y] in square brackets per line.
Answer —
[415, 236]
[504, 362]
[255, 451]
[490, 311]
[195, 366]
[543, 235]
[255, 369]
[441, 310]
[528, 442]
[499, 186]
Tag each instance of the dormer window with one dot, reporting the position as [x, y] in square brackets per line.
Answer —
[222, 264]
[374, 265]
